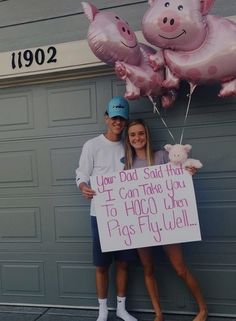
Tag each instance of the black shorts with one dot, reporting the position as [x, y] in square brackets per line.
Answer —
[106, 258]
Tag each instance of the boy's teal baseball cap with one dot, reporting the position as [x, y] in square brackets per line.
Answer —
[118, 107]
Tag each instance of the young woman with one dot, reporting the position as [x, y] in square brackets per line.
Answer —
[139, 153]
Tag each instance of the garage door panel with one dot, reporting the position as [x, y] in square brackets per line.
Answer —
[64, 154]
[214, 160]
[208, 115]
[46, 223]
[18, 168]
[224, 286]
[71, 105]
[19, 224]
[64, 161]
[32, 167]
[22, 278]
[16, 111]
[68, 109]
[47, 111]
[72, 224]
[58, 278]
[206, 108]
[74, 281]
[218, 222]
[58, 162]
[218, 172]
[216, 184]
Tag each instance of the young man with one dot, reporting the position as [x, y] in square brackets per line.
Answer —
[102, 155]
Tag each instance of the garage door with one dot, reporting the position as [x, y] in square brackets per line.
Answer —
[45, 243]
[44, 224]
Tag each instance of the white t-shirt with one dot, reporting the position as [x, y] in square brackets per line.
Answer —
[99, 156]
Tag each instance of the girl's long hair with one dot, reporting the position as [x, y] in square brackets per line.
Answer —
[130, 151]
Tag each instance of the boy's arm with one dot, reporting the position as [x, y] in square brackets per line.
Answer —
[84, 171]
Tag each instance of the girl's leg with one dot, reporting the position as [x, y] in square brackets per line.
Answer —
[175, 255]
[150, 282]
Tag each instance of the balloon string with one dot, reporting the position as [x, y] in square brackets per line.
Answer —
[192, 88]
[156, 110]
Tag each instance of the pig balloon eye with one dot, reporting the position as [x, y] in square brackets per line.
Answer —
[117, 18]
[167, 4]
[180, 8]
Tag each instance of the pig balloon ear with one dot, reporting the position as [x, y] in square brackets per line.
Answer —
[90, 10]
[206, 6]
[151, 2]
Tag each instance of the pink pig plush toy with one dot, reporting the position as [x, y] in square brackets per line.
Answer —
[178, 155]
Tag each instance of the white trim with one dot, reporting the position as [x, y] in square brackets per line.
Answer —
[70, 56]
[233, 18]
[74, 55]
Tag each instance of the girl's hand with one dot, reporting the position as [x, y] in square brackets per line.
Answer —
[192, 170]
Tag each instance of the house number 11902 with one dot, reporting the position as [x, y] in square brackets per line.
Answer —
[27, 57]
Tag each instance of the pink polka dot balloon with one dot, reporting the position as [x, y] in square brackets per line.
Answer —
[197, 47]
[113, 41]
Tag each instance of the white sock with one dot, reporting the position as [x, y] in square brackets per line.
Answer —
[103, 310]
[121, 311]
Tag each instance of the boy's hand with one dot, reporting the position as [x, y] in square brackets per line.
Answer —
[87, 191]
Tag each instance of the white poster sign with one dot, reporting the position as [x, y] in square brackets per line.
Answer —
[145, 207]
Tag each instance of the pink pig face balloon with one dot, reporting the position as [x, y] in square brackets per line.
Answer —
[114, 42]
[110, 37]
[174, 24]
[198, 47]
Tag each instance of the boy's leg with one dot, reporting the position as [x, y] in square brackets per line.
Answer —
[102, 279]
[122, 259]
[102, 262]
